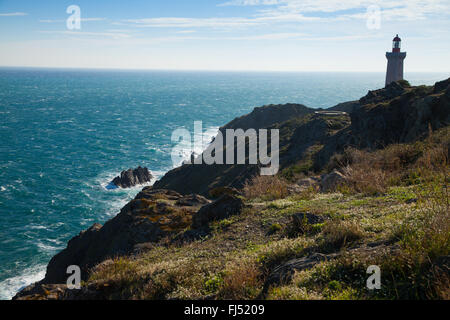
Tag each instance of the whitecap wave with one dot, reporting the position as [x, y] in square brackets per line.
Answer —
[9, 287]
[186, 149]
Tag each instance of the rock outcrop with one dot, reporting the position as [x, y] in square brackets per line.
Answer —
[152, 215]
[224, 207]
[402, 118]
[267, 116]
[132, 177]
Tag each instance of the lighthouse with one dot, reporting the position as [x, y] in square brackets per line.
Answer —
[395, 62]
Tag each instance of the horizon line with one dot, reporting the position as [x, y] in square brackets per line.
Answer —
[208, 70]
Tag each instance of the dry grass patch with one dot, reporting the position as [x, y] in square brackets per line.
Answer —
[242, 280]
[266, 188]
[337, 234]
[372, 172]
[275, 253]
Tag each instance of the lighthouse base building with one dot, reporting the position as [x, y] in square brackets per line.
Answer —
[395, 62]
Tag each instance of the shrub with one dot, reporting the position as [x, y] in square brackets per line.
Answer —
[266, 188]
[242, 280]
[363, 178]
[373, 172]
[213, 284]
[275, 228]
[337, 234]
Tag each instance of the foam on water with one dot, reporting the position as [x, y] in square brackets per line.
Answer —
[10, 286]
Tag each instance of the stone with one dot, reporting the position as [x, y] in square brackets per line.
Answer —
[330, 182]
[224, 207]
[132, 177]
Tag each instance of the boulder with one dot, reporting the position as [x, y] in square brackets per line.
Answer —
[224, 207]
[132, 177]
[329, 182]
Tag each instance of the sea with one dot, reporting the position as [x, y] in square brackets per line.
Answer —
[64, 134]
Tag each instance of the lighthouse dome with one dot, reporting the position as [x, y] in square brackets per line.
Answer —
[396, 39]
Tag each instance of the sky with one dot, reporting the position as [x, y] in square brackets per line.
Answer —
[256, 35]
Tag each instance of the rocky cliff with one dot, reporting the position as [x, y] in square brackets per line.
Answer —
[175, 208]
[395, 114]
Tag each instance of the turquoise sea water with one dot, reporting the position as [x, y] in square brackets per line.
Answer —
[65, 134]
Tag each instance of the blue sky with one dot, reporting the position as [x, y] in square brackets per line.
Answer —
[260, 35]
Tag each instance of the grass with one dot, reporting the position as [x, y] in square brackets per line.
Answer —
[407, 212]
[337, 234]
[372, 173]
[266, 188]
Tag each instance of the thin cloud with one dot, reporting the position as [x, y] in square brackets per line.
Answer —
[63, 20]
[171, 22]
[250, 3]
[13, 14]
[233, 22]
[393, 9]
[115, 35]
[186, 31]
[273, 12]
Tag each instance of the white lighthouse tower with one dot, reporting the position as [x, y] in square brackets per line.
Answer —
[395, 62]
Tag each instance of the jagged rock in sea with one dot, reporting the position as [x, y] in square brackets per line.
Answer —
[132, 177]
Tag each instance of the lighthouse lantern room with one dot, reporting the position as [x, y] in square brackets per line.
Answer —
[396, 44]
